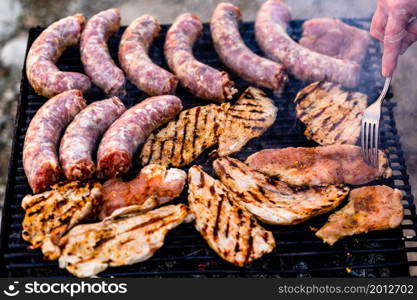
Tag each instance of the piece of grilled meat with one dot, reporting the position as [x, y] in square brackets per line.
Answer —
[184, 139]
[369, 208]
[154, 186]
[228, 228]
[49, 215]
[251, 115]
[126, 237]
[334, 164]
[331, 115]
[201, 127]
[273, 201]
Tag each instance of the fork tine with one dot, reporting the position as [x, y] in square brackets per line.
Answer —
[363, 134]
[372, 142]
[376, 138]
[366, 142]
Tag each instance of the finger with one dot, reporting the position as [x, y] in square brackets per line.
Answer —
[394, 34]
[379, 20]
[411, 36]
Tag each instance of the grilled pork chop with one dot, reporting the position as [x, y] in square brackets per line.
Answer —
[369, 208]
[126, 237]
[201, 127]
[184, 139]
[273, 201]
[49, 215]
[330, 114]
[252, 114]
[154, 186]
[228, 228]
[334, 164]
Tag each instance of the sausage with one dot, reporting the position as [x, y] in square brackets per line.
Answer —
[237, 56]
[41, 70]
[40, 158]
[270, 31]
[134, 59]
[81, 135]
[126, 134]
[200, 79]
[95, 56]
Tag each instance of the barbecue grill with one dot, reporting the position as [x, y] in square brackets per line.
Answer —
[185, 253]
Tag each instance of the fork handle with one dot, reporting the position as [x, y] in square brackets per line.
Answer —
[385, 89]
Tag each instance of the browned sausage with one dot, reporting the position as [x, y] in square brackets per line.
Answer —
[95, 56]
[134, 59]
[40, 158]
[200, 79]
[41, 70]
[237, 56]
[81, 135]
[127, 133]
[270, 29]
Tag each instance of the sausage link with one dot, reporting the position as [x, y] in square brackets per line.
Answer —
[95, 56]
[200, 79]
[126, 134]
[41, 70]
[81, 135]
[40, 158]
[134, 59]
[270, 30]
[237, 56]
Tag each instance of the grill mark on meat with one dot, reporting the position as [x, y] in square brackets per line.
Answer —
[161, 150]
[195, 132]
[150, 155]
[202, 180]
[149, 222]
[337, 123]
[256, 111]
[174, 142]
[247, 119]
[250, 242]
[216, 223]
[34, 212]
[253, 127]
[184, 137]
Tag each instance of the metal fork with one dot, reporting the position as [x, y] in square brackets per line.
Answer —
[370, 127]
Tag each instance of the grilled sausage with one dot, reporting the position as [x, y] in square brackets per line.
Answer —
[270, 30]
[95, 56]
[41, 70]
[40, 158]
[200, 79]
[134, 59]
[80, 138]
[127, 133]
[234, 53]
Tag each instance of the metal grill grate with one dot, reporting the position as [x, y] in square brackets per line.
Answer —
[298, 251]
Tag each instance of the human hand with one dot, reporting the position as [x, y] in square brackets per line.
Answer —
[394, 23]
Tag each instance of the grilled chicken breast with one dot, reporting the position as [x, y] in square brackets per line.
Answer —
[369, 208]
[334, 164]
[49, 215]
[228, 228]
[126, 237]
[331, 115]
[154, 186]
[272, 201]
[252, 114]
[184, 139]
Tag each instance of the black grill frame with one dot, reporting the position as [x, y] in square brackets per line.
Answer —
[298, 252]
